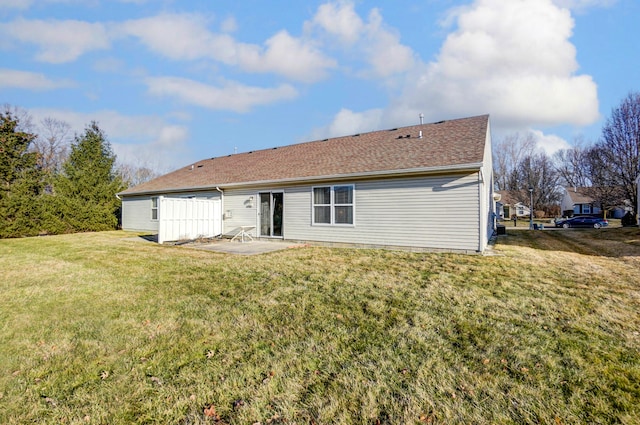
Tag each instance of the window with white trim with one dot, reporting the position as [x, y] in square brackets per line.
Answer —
[154, 208]
[333, 205]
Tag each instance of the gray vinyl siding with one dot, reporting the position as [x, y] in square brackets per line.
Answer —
[431, 212]
[437, 212]
[238, 211]
[136, 210]
[136, 214]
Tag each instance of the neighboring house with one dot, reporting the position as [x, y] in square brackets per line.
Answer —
[402, 187]
[508, 206]
[577, 200]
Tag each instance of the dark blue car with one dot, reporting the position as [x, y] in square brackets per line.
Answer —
[593, 222]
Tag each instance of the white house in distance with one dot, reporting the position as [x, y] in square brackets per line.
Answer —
[508, 206]
[424, 187]
[576, 199]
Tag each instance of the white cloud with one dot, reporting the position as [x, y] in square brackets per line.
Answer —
[231, 96]
[511, 59]
[58, 41]
[136, 139]
[10, 78]
[340, 20]
[229, 25]
[349, 122]
[187, 37]
[549, 143]
[372, 41]
[291, 57]
[175, 36]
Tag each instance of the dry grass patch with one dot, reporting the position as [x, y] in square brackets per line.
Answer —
[99, 329]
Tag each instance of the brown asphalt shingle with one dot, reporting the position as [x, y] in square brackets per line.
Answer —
[450, 143]
[579, 196]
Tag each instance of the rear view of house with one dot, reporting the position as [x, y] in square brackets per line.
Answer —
[426, 186]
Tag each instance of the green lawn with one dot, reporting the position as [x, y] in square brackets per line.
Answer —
[100, 329]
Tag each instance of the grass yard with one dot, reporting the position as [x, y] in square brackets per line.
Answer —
[99, 329]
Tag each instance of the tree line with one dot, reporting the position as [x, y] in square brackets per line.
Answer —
[606, 169]
[51, 183]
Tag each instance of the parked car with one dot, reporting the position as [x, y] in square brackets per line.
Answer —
[594, 222]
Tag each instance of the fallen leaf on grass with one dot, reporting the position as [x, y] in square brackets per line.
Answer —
[210, 412]
[104, 374]
[49, 400]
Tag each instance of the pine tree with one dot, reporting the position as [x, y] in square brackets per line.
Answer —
[86, 189]
[20, 181]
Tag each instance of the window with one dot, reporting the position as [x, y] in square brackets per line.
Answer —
[333, 205]
[154, 208]
[586, 209]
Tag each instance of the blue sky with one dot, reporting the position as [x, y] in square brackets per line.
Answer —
[172, 82]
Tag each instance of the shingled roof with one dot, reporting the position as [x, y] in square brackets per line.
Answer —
[445, 145]
[578, 195]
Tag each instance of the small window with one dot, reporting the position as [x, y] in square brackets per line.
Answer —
[154, 208]
[333, 205]
[586, 209]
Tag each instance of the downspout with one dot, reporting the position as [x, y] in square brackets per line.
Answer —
[483, 230]
[221, 210]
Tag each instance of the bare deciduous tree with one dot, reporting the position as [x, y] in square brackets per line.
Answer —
[572, 164]
[619, 147]
[52, 144]
[133, 175]
[25, 121]
[537, 171]
[507, 154]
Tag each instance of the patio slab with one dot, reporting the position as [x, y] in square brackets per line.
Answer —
[248, 248]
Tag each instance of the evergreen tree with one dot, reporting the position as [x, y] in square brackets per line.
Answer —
[20, 181]
[86, 189]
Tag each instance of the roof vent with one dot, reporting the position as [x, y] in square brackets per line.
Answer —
[420, 135]
[356, 135]
[192, 167]
[439, 122]
[199, 165]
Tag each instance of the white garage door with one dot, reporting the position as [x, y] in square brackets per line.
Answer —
[186, 219]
